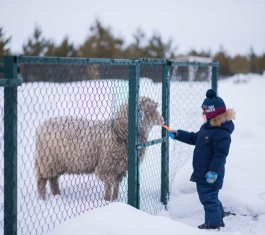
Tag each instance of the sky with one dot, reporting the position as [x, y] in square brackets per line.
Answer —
[236, 25]
[243, 192]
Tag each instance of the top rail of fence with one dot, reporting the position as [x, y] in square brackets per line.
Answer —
[82, 61]
[201, 64]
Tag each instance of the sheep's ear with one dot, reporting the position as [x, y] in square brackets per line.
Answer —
[147, 104]
[151, 106]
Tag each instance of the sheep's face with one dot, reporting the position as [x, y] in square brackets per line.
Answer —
[150, 115]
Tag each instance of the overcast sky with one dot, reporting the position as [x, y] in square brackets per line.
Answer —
[206, 25]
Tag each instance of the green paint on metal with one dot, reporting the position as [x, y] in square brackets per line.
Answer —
[133, 137]
[165, 145]
[214, 77]
[152, 142]
[10, 82]
[68, 60]
[105, 61]
[200, 64]
[10, 148]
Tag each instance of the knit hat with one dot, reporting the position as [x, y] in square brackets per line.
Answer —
[213, 105]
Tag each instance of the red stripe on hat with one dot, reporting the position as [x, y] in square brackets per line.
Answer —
[214, 112]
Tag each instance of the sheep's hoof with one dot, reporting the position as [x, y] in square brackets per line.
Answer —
[41, 197]
[114, 197]
[107, 198]
[56, 193]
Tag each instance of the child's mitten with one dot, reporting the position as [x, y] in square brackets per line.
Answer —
[172, 134]
[211, 177]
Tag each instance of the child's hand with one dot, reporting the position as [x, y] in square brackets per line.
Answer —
[172, 134]
[211, 177]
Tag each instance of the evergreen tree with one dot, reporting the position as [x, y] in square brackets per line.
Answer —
[4, 49]
[65, 49]
[253, 61]
[156, 48]
[149, 48]
[239, 64]
[260, 64]
[36, 45]
[137, 48]
[101, 43]
[200, 54]
[257, 63]
[223, 59]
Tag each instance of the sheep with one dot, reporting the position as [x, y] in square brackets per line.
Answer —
[73, 145]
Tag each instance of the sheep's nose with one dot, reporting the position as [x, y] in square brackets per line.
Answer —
[161, 121]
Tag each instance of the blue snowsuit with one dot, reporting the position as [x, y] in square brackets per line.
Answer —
[212, 143]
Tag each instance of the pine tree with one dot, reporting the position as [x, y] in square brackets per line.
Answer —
[239, 64]
[65, 49]
[137, 49]
[260, 64]
[223, 59]
[36, 45]
[156, 48]
[253, 61]
[101, 43]
[200, 54]
[4, 49]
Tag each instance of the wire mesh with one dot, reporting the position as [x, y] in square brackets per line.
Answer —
[188, 85]
[1, 157]
[73, 112]
[72, 123]
[150, 169]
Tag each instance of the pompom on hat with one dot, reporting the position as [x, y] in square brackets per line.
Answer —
[213, 105]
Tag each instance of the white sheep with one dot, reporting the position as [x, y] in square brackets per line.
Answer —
[68, 145]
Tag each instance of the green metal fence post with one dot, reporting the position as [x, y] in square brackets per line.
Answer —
[10, 147]
[133, 137]
[214, 77]
[165, 145]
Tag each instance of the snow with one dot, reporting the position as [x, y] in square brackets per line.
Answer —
[75, 212]
[244, 188]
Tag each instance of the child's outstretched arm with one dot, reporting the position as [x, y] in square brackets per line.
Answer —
[186, 137]
[183, 136]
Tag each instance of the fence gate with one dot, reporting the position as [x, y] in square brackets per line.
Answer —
[85, 121]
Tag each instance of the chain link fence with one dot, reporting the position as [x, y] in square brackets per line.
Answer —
[72, 134]
[187, 92]
[1, 159]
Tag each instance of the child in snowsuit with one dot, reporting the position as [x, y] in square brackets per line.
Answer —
[212, 144]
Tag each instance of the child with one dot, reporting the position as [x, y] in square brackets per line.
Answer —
[212, 144]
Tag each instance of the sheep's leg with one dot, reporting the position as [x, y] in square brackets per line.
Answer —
[54, 183]
[115, 191]
[117, 185]
[108, 187]
[41, 185]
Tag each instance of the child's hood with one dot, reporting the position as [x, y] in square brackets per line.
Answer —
[224, 120]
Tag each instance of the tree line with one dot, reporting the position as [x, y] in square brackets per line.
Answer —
[102, 43]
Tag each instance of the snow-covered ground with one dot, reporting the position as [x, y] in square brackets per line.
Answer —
[244, 188]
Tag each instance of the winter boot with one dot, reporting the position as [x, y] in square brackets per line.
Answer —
[222, 224]
[207, 226]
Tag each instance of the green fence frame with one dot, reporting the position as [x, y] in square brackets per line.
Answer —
[10, 70]
[10, 83]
